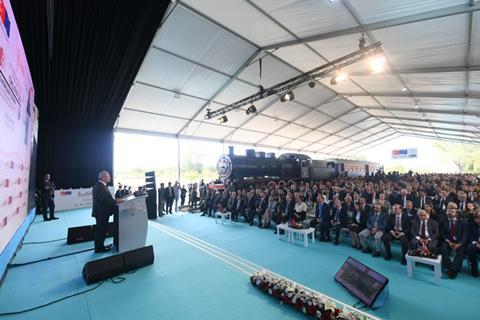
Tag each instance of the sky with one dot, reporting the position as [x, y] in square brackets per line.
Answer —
[152, 152]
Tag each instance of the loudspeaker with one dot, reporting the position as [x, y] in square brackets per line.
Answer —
[79, 234]
[86, 233]
[101, 269]
[105, 268]
[138, 258]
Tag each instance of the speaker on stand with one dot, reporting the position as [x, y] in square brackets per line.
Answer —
[151, 188]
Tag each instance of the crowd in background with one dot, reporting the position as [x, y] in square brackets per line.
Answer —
[436, 213]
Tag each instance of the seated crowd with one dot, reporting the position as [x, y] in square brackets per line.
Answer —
[436, 212]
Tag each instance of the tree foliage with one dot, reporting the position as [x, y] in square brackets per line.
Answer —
[465, 156]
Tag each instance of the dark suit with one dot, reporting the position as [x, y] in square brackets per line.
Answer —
[459, 236]
[251, 209]
[411, 213]
[322, 213]
[471, 250]
[440, 205]
[338, 220]
[241, 206]
[262, 206]
[232, 207]
[433, 234]
[169, 196]
[103, 207]
[404, 227]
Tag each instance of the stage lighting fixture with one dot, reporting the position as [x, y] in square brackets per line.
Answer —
[251, 109]
[289, 96]
[424, 116]
[339, 77]
[415, 106]
[404, 89]
[311, 84]
[376, 65]
[223, 119]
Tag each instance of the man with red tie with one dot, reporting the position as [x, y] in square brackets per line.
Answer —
[454, 237]
[424, 232]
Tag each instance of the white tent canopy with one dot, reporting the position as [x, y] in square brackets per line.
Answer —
[206, 53]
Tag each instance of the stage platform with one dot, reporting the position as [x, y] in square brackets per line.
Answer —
[189, 281]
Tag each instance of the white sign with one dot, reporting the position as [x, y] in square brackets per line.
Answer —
[404, 153]
[69, 199]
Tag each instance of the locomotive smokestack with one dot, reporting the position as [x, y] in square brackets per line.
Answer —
[230, 150]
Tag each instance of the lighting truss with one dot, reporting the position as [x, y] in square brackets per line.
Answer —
[294, 82]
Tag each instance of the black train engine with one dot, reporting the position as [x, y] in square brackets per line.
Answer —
[266, 165]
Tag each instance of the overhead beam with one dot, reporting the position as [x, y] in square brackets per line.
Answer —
[420, 70]
[440, 138]
[220, 90]
[403, 126]
[432, 121]
[422, 110]
[375, 143]
[435, 132]
[400, 94]
[434, 14]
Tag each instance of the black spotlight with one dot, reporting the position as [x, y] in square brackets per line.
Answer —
[223, 119]
[251, 109]
[289, 96]
[311, 84]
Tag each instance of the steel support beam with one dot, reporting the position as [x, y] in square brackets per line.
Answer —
[419, 17]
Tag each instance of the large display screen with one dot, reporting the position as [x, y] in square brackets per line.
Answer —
[17, 126]
[361, 281]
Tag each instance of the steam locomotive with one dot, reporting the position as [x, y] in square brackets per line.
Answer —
[289, 165]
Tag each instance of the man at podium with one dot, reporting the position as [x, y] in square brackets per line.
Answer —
[104, 205]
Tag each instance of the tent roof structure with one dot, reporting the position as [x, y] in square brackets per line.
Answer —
[206, 55]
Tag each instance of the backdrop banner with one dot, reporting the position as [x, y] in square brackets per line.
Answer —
[17, 117]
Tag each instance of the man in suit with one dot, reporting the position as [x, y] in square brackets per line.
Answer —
[422, 200]
[262, 205]
[338, 219]
[398, 229]
[232, 205]
[376, 224]
[176, 194]
[473, 245]
[169, 196]
[424, 231]
[322, 218]
[104, 205]
[289, 208]
[251, 206]
[453, 233]
[48, 196]
[241, 205]
[440, 204]
[462, 202]
[410, 211]
[161, 199]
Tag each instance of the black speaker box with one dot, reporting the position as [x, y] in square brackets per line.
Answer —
[138, 258]
[105, 268]
[79, 234]
[101, 269]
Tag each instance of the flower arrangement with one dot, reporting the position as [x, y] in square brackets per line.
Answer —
[297, 225]
[300, 298]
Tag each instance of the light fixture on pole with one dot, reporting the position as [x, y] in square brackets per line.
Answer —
[289, 96]
[376, 65]
[339, 77]
[251, 109]
[223, 119]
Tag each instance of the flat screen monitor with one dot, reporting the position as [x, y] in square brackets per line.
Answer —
[361, 281]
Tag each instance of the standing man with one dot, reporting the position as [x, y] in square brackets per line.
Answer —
[103, 207]
[473, 246]
[169, 194]
[183, 195]
[176, 194]
[161, 199]
[48, 195]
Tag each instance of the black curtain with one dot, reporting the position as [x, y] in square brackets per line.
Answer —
[97, 49]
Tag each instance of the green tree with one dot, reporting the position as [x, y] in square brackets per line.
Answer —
[465, 156]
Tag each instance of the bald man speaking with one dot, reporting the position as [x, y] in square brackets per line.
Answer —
[104, 205]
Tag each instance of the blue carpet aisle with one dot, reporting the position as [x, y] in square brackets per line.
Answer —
[187, 283]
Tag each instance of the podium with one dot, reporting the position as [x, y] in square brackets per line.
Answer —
[131, 224]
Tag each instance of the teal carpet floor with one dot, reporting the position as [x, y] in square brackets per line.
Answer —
[187, 283]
